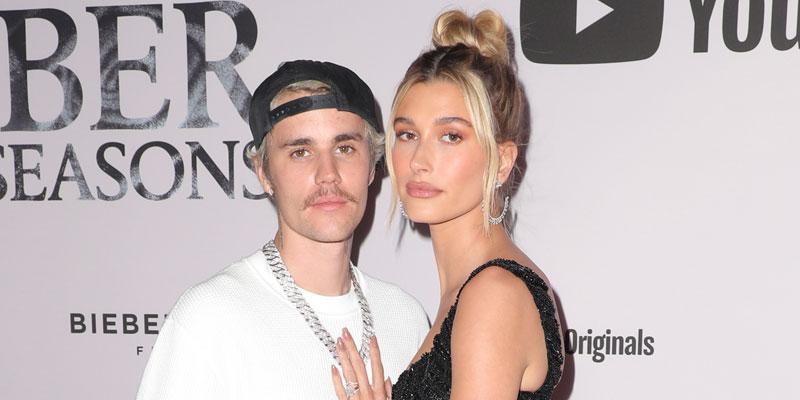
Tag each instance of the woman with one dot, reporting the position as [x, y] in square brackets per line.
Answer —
[455, 127]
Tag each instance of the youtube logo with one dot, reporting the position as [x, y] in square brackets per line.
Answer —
[590, 31]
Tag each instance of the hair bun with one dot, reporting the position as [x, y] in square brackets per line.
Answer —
[486, 32]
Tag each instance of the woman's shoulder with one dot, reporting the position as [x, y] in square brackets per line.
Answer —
[505, 293]
[503, 309]
[503, 299]
[494, 326]
[502, 274]
[498, 290]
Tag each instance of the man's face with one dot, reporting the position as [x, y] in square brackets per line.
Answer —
[319, 166]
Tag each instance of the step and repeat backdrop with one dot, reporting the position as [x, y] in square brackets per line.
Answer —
[661, 195]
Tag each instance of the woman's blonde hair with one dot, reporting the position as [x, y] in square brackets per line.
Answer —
[472, 53]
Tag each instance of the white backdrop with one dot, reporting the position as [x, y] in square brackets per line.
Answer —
[661, 196]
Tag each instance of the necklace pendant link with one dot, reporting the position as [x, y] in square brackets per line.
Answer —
[293, 294]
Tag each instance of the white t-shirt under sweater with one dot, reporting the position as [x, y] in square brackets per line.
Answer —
[236, 336]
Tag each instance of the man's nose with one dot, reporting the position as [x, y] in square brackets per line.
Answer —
[327, 170]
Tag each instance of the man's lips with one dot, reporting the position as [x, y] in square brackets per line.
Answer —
[329, 203]
[422, 190]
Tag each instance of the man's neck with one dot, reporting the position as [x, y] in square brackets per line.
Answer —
[321, 268]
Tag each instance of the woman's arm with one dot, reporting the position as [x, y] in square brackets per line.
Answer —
[497, 339]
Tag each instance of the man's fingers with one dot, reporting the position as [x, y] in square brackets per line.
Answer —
[388, 387]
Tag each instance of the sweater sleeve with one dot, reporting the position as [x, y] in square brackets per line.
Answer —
[179, 368]
[423, 325]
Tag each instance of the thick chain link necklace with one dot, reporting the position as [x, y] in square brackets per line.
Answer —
[292, 292]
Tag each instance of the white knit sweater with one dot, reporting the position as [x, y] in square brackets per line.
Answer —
[236, 336]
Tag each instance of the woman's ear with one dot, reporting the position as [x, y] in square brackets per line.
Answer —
[508, 152]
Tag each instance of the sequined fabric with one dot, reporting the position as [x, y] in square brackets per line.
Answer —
[430, 377]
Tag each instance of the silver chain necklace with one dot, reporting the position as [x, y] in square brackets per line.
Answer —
[292, 292]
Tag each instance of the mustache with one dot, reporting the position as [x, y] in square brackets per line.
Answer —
[328, 191]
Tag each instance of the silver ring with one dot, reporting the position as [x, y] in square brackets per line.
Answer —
[350, 389]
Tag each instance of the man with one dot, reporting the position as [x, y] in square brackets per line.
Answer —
[264, 328]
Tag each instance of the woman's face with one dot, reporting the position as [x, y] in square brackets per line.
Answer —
[437, 159]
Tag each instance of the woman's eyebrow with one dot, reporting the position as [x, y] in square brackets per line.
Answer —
[448, 120]
[439, 121]
[404, 120]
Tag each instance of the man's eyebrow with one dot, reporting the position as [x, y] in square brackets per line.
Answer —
[448, 120]
[303, 141]
[343, 137]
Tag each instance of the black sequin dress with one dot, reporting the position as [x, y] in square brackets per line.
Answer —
[430, 377]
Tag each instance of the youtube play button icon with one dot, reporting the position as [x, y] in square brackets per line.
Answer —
[588, 12]
[590, 31]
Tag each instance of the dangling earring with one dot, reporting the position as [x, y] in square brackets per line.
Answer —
[402, 210]
[498, 219]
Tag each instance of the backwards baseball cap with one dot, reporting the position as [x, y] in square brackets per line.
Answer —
[347, 93]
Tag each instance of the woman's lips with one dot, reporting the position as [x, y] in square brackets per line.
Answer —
[422, 190]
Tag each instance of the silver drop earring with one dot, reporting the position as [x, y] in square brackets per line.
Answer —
[498, 219]
[402, 210]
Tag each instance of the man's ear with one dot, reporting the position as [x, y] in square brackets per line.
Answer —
[508, 152]
[371, 175]
[262, 177]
